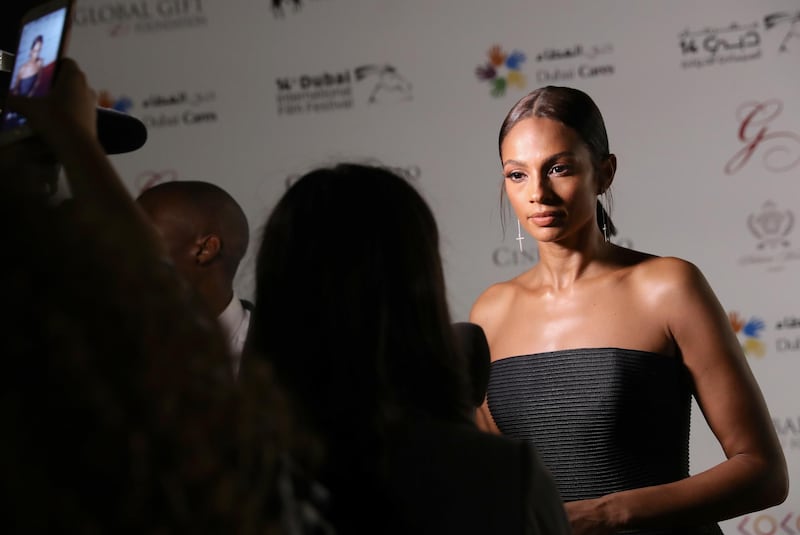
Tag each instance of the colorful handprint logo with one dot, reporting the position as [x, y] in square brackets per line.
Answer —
[107, 100]
[502, 70]
[748, 332]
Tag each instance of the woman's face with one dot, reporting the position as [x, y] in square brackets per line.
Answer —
[36, 49]
[550, 179]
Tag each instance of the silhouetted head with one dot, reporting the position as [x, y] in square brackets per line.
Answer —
[350, 301]
[205, 230]
[576, 110]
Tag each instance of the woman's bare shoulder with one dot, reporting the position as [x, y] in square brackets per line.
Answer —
[669, 270]
[497, 295]
[494, 303]
[665, 281]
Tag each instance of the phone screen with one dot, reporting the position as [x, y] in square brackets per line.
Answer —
[35, 60]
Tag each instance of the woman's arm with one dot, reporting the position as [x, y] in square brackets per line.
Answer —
[754, 474]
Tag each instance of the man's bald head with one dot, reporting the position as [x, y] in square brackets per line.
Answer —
[204, 227]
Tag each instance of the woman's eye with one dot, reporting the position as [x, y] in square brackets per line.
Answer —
[559, 169]
[515, 176]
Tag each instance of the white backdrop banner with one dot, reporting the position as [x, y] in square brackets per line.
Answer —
[700, 100]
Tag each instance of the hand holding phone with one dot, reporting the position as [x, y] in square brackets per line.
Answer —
[42, 42]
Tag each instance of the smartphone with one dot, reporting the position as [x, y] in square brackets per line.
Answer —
[43, 37]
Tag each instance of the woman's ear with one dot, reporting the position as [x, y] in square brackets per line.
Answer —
[607, 170]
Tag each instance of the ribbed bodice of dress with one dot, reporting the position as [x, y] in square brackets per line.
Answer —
[602, 419]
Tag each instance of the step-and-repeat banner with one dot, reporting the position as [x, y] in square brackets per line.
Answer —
[700, 100]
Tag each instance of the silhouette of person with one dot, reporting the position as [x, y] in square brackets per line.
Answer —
[351, 313]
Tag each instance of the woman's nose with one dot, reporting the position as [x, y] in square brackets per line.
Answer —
[535, 190]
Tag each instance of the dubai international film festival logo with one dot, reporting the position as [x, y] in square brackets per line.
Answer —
[389, 85]
[749, 332]
[142, 16]
[502, 70]
[376, 83]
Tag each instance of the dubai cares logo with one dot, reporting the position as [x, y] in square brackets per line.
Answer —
[107, 100]
[502, 70]
[748, 331]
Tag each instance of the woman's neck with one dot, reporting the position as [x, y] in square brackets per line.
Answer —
[562, 265]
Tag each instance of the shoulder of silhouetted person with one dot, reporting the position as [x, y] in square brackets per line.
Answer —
[451, 478]
[471, 341]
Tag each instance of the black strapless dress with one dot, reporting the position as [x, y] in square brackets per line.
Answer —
[603, 419]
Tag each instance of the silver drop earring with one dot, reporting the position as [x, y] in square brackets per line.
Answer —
[605, 220]
[520, 237]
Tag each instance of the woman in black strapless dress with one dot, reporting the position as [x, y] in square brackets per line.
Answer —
[27, 79]
[598, 349]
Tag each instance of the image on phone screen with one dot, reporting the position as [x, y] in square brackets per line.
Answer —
[35, 61]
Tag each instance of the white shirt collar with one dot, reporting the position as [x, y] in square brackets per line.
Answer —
[235, 321]
[232, 317]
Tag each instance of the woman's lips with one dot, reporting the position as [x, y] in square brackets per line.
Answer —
[544, 218]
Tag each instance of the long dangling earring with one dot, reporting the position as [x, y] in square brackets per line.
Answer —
[520, 237]
[604, 217]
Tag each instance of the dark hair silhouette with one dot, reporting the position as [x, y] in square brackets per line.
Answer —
[350, 298]
[130, 422]
[351, 311]
[575, 109]
[38, 39]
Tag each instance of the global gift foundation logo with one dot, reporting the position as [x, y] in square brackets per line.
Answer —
[507, 256]
[749, 332]
[779, 149]
[411, 173]
[375, 83]
[771, 228]
[281, 7]
[142, 16]
[502, 70]
[151, 177]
